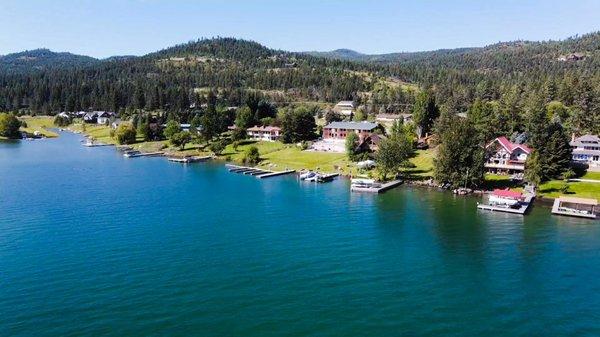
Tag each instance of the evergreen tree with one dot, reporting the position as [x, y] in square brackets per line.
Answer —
[460, 159]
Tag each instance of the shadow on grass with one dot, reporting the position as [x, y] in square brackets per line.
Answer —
[500, 184]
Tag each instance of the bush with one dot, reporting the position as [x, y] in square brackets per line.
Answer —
[125, 133]
[252, 156]
[217, 147]
[9, 126]
[62, 121]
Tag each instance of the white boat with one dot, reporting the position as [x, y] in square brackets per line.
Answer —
[307, 175]
[363, 183]
[494, 200]
[314, 177]
[130, 154]
[89, 143]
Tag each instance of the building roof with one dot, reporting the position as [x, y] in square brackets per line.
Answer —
[508, 194]
[363, 126]
[264, 128]
[510, 146]
[585, 139]
[582, 201]
[345, 103]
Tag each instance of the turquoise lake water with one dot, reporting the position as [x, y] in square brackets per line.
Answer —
[94, 244]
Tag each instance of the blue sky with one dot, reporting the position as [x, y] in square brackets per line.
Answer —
[102, 28]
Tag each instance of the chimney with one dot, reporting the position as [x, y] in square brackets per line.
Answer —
[573, 137]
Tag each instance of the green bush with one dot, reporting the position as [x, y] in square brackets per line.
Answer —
[252, 156]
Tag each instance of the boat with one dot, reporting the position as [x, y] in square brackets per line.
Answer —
[505, 198]
[89, 143]
[130, 154]
[314, 177]
[363, 183]
[308, 175]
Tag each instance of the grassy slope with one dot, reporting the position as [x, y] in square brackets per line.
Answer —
[281, 156]
[423, 161]
[39, 124]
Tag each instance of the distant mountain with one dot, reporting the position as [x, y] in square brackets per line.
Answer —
[341, 54]
[39, 59]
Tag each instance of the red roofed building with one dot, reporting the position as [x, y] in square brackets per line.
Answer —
[503, 156]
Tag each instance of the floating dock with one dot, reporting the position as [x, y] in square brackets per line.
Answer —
[377, 189]
[576, 207]
[523, 206]
[257, 172]
[187, 160]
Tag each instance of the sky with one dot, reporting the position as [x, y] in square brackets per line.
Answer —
[103, 28]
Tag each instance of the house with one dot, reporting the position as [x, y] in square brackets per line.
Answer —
[586, 150]
[345, 108]
[64, 114]
[267, 133]
[503, 156]
[371, 143]
[339, 130]
[392, 118]
[103, 117]
[90, 117]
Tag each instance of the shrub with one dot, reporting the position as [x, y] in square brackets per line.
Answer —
[252, 156]
[125, 133]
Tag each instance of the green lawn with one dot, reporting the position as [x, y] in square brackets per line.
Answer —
[423, 162]
[591, 175]
[280, 156]
[39, 124]
[553, 189]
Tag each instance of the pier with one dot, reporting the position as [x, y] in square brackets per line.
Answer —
[379, 188]
[257, 172]
[522, 209]
[187, 160]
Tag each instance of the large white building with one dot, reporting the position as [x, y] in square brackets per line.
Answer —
[586, 150]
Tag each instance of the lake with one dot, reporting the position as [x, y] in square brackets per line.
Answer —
[95, 244]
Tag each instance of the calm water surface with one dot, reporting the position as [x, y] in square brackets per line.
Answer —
[94, 244]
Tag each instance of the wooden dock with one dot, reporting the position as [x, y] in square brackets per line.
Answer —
[558, 210]
[187, 160]
[275, 174]
[377, 189]
[523, 207]
[256, 172]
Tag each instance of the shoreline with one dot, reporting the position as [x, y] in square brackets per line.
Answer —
[539, 200]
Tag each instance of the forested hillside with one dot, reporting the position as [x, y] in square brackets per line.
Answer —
[509, 79]
[177, 77]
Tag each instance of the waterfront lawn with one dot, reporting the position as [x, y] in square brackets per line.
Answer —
[40, 124]
[553, 189]
[280, 156]
[423, 165]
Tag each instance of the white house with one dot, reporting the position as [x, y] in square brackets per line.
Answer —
[586, 150]
[503, 156]
[268, 133]
[103, 117]
[345, 108]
